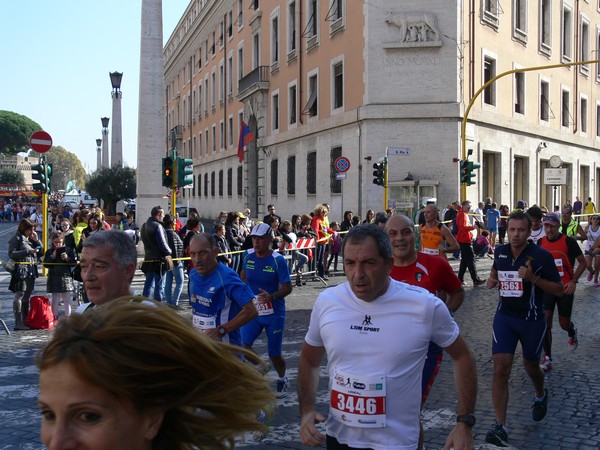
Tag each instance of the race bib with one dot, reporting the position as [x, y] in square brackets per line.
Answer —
[204, 322]
[560, 267]
[358, 401]
[511, 284]
[431, 251]
[264, 309]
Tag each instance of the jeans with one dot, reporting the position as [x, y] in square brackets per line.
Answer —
[467, 262]
[157, 282]
[320, 257]
[177, 274]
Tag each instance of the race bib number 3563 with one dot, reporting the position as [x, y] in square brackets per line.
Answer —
[359, 401]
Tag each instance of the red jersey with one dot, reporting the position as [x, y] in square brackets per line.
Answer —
[430, 272]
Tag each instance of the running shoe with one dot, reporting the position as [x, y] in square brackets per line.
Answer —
[546, 364]
[282, 387]
[478, 282]
[590, 276]
[573, 342]
[497, 435]
[540, 407]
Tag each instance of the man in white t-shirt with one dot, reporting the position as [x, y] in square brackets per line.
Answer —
[375, 399]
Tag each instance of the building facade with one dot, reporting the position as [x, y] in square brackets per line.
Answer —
[329, 87]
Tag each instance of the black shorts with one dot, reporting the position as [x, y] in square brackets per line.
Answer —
[564, 303]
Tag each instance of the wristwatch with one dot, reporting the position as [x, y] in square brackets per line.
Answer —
[222, 330]
[468, 419]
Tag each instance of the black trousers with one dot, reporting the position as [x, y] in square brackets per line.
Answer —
[467, 261]
[333, 444]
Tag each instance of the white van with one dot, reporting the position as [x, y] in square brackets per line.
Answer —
[76, 199]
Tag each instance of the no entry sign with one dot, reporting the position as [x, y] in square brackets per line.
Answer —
[40, 141]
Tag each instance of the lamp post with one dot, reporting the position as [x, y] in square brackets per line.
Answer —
[116, 150]
[99, 152]
[105, 162]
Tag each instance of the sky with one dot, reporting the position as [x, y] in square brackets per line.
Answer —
[56, 57]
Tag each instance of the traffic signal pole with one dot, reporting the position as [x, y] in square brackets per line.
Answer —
[463, 128]
[173, 183]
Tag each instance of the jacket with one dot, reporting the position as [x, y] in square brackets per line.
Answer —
[464, 235]
[176, 245]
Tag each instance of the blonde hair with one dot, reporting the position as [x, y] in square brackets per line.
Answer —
[146, 354]
[319, 210]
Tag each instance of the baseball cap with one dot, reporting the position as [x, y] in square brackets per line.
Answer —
[551, 218]
[261, 230]
[241, 216]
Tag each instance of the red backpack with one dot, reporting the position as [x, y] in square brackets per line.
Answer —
[40, 315]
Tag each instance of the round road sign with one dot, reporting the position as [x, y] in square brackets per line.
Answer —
[342, 164]
[40, 141]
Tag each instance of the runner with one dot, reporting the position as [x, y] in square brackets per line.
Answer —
[435, 234]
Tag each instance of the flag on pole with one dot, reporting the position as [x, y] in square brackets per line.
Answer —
[246, 136]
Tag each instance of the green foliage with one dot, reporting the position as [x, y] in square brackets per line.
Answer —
[15, 131]
[65, 166]
[11, 176]
[112, 184]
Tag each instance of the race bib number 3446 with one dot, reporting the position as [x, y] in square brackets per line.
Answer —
[358, 401]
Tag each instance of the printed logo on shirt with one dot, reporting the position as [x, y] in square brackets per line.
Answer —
[366, 326]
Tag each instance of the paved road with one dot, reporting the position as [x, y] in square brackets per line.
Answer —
[572, 421]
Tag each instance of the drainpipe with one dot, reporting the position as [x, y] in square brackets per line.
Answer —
[576, 70]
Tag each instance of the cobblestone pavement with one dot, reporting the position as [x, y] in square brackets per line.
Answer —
[572, 421]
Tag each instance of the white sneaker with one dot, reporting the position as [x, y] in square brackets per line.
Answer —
[546, 364]
[282, 387]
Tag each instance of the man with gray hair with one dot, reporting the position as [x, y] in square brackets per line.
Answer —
[108, 263]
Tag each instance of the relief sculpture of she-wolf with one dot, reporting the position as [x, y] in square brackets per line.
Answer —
[414, 26]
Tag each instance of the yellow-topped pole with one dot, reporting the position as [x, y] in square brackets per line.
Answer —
[44, 228]
[463, 128]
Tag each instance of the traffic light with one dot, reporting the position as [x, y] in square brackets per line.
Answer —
[167, 172]
[42, 173]
[184, 173]
[467, 171]
[380, 172]
[49, 176]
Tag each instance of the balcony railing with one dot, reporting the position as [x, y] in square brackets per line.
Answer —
[255, 81]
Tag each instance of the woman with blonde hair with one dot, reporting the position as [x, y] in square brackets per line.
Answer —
[323, 233]
[135, 374]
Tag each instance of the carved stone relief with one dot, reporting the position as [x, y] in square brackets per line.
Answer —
[413, 29]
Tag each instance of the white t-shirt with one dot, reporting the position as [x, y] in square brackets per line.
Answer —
[387, 338]
[536, 235]
[592, 236]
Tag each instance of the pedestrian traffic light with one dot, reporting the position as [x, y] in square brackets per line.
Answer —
[467, 171]
[380, 172]
[40, 173]
[184, 172]
[167, 172]
[49, 176]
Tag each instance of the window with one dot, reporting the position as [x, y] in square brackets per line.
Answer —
[597, 120]
[291, 28]
[566, 35]
[520, 20]
[489, 72]
[255, 50]
[338, 85]
[336, 10]
[545, 26]
[230, 27]
[206, 185]
[583, 109]
[311, 173]
[240, 180]
[544, 101]
[207, 142]
[230, 130]
[274, 40]
[206, 96]
[221, 82]
[597, 54]
[199, 184]
[292, 104]
[565, 114]
[230, 76]
[221, 183]
[584, 47]
[240, 17]
[214, 138]
[200, 99]
[520, 93]
[254, 4]
[200, 154]
[291, 175]
[312, 104]
[240, 63]
[214, 89]
[274, 167]
[221, 135]
[312, 19]
[335, 185]
[230, 182]
[206, 51]
[275, 112]
[491, 12]
[212, 183]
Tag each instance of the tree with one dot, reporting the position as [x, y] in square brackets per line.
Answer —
[15, 131]
[11, 176]
[112, 184]
[66, 166]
